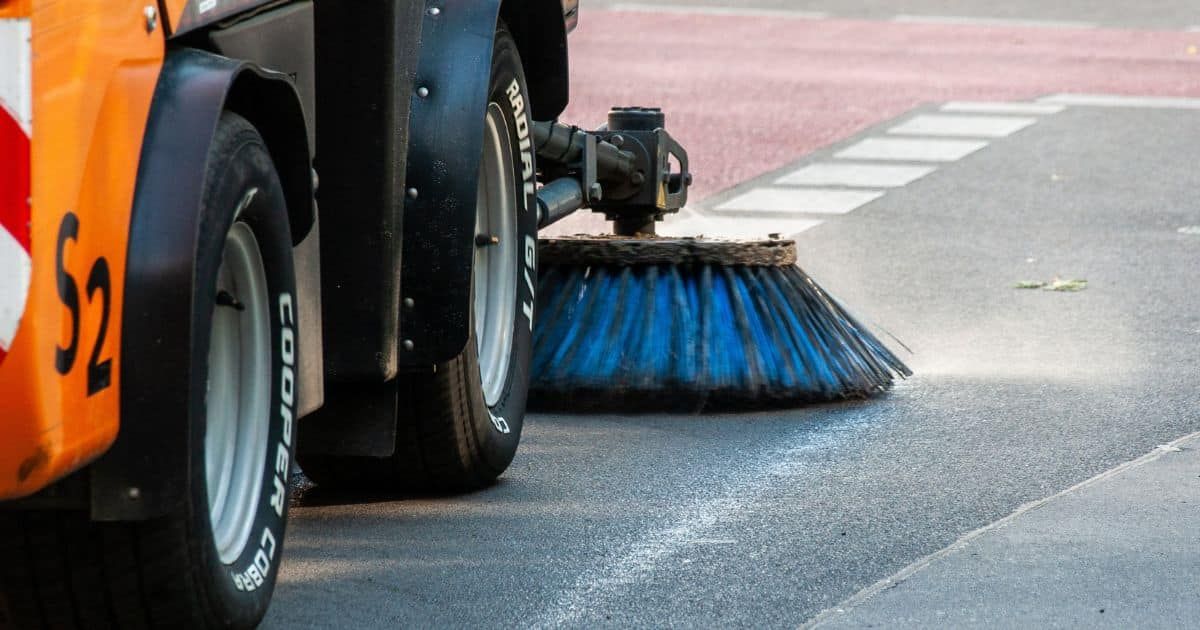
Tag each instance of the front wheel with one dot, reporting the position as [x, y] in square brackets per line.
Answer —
[459, 424]
[211, 562]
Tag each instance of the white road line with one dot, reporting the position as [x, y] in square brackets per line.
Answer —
[729, 11]
[989, 21]
[638, 563]
[696, 224]
[1114, 100]
[996, 107]
[954, 125]
[911, 149]
[738, 496]
[808, 200]
[806, 190]
[855, 174]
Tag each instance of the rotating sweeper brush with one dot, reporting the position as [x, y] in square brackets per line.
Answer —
[636, 320]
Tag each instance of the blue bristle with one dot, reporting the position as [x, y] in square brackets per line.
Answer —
[694, 335]
[684, 349]
[809, 369]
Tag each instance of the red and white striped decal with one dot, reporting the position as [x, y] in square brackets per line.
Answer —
[16, 125]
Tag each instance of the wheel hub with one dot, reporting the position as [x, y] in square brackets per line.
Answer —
[238, 398]
[494, 282]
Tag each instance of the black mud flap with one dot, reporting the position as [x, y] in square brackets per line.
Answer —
[445, 142]
[144, 474]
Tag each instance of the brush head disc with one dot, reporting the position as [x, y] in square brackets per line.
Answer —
[621, 251]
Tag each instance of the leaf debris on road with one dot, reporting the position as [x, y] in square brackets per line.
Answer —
[1056, 284]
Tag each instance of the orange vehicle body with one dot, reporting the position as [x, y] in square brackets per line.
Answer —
[95, 64]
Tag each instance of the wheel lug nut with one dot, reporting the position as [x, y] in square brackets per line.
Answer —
[225, 298]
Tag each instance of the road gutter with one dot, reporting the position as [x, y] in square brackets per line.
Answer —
[864, 595]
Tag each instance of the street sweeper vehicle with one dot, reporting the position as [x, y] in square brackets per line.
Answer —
[239, 234]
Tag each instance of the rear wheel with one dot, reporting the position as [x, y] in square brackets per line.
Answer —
[460, 423]
[213, 561]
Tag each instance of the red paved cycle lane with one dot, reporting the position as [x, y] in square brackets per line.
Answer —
[749, 94]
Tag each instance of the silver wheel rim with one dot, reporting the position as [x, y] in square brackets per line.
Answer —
[494, 285]
[239, 393]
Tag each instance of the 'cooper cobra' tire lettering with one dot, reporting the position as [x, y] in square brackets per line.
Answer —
[250, 578]
[287, 384]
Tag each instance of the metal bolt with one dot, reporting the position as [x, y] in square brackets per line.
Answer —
[687, 179]
[316, 181]
[637, 178]
[225, 298]
[408, 344]
[483, 240]
[412, 193]
[617, 140]
[409, 303]
[151, 15]
[422, 91]
[595, 191]
[434, 11]
[134, 493]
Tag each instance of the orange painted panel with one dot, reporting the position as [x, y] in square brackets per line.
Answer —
[95, 67]
[15, 8]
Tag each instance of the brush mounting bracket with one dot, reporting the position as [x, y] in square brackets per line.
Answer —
[631, 169]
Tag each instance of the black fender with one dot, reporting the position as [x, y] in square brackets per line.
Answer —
[540, 28]
[445, 140]
[446, 119]
[140, 476]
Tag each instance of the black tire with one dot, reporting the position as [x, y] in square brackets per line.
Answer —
[60, 570]
[449, 439]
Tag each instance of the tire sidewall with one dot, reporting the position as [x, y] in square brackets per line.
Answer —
[507, 88]
[240, 592]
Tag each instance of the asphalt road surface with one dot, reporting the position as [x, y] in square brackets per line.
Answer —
[768, 519]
